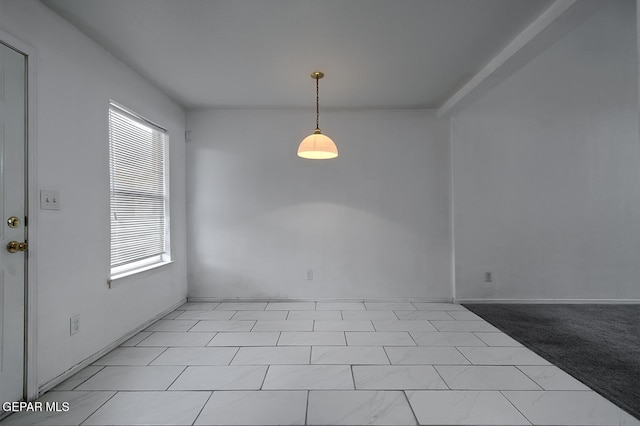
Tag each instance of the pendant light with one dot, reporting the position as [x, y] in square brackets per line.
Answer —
[317, 146]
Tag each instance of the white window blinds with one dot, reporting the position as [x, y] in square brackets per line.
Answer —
[139, 195]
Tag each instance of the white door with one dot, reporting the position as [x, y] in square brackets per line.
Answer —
[13, 232]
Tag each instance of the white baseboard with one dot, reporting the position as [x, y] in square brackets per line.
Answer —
[91, 359]
[323, 300]
[553, 301]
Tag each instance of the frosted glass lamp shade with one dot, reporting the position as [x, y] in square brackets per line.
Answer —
[317, 147]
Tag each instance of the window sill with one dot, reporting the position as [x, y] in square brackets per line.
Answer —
[136, 274]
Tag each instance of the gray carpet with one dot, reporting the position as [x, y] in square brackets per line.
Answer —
[597, 344]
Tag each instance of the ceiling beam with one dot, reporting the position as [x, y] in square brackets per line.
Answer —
[552, 25]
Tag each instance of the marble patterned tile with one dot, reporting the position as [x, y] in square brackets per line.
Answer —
[438, 306]
[359, 408]
[550, 377]
[150, 408]
[198, 306]
[206, 315]
[423, 315]
[482, 377]
[220, 378]
[177, 338]
[502, 356]
[253, 338]
[403, 325]
[134, 340]
[300, 377]
[343, 326]
[568, 408]
[435, 407]
[379, 338]
[272, 355]
[196, 356]
[265, 408]
[389, 306]
[311, 338]
[368, 315]
[443, 338]
[284, 325]
[440, 355]
[228, 325]
[348, 355]
[132, 378]
[171, 325]
[497, 339]
[259, 315]
[400, 377]
[241, 306]
[314, 315]
[81, 405]
[78, 378]
[291, 306]
[456, 325]
[130, 356]
[340, 306]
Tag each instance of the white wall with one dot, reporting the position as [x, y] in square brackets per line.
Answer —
[373, 223]
[546, 173]
[75, 80]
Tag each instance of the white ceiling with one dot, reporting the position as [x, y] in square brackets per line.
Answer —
[260, 53]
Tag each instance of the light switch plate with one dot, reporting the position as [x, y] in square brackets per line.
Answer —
[49, 200]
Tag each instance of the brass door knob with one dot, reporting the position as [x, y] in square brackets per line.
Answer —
[14, 247]
[13, 222]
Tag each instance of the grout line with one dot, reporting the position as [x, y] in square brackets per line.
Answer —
[158, 356]
[210, 340]
[517, 409]
[384, 349]
[414, 340]
[174, 380]
[234, 354]
[201, 409]
[463, 356]
[435, 367]
[404, 392]
[101, 405]
[353, 377]
[530, 378]
[306, 412]
[265, 377]
[145, 338]
[190, 328]
[90, 365]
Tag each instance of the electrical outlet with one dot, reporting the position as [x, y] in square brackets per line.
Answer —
[488, 277]
[74, 324]
[309, 274]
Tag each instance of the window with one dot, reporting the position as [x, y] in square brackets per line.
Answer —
[138, 152]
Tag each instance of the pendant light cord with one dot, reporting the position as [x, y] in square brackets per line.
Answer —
[317, 104]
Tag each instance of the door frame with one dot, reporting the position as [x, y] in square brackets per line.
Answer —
[31, 200]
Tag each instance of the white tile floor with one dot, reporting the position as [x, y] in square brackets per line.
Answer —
[295, 363]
